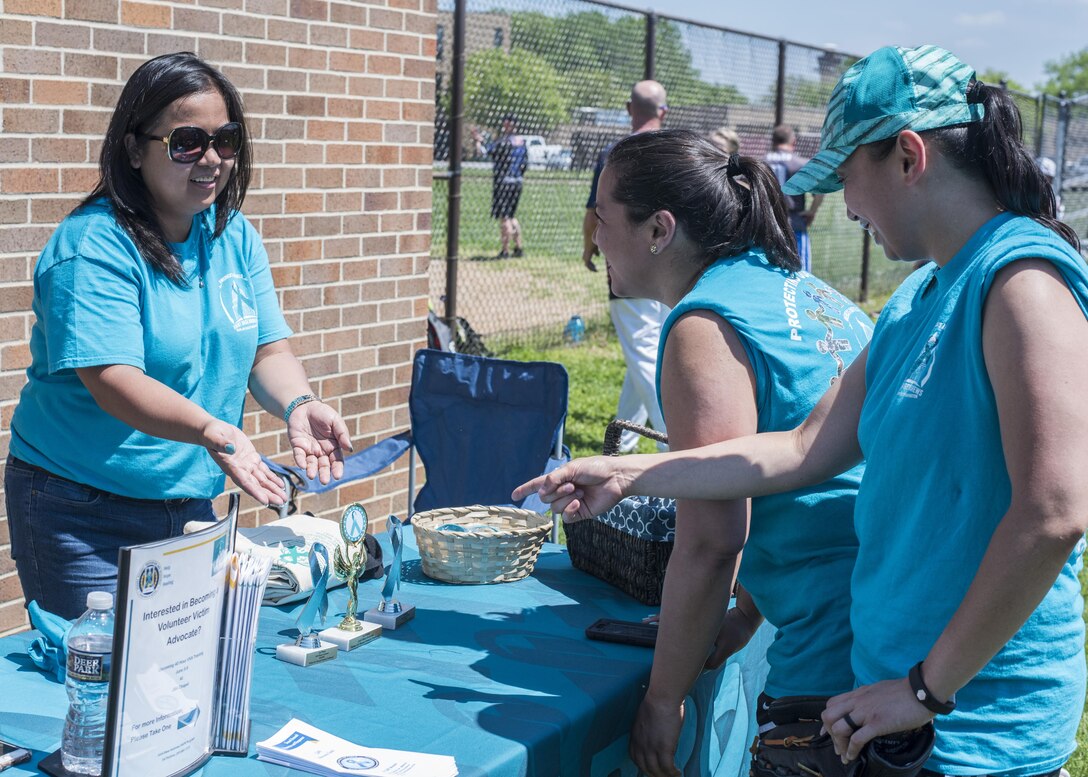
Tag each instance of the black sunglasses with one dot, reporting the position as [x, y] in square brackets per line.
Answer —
[188, 144]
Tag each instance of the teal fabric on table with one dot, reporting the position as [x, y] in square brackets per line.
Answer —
[501, 677]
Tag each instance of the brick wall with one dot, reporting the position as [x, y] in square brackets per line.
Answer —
[340, 102]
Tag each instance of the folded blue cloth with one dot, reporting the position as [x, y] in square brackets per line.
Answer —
[49, 652]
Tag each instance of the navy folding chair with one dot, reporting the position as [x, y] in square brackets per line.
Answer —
[481, 427]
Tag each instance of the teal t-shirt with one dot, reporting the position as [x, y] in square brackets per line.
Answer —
[799, 335]
[935, 489]
[98, 302]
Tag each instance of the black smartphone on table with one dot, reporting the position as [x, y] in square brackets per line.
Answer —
[624, 632]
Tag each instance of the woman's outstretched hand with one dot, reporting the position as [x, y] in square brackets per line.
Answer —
[234, 453]
[582, 488]
[318, 437]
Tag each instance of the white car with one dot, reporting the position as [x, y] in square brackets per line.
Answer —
[539, 151]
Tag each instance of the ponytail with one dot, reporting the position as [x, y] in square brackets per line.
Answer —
[992, 149]
[725, 203]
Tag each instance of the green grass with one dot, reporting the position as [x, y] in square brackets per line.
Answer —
[596, 370]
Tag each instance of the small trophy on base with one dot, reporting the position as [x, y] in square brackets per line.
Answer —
[390, 613]
[349, 566]
[309, 649]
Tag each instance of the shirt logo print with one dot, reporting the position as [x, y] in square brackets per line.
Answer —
[914, 386]
[236, 298]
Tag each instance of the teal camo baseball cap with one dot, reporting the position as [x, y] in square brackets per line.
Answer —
[890, 90]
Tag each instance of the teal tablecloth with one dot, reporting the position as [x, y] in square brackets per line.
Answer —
[499, 676]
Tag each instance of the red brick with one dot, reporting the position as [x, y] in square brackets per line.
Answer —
[343, 201]
[321, 272]
[31, 120]
[33, 61]
[379, 245]
[266, 54]
[365, 131]
[259, 102]
[382, 155]
[105, 95]
[51, 210]
[317, 320]
[347, 13]
[314, 10]
[93, 10]
[343, 154]
[118, 41]
[375, 201]
[328, 83]
[14, 91]
[342, 248]
[16, 33]
[407, 244]
[30, 180]
[15, 298]
[324, 130]
[309, 59]
[244, 25]
[403, 89]
[324, 178]
[287, 80]
[304, 154]
[321, 226]
[53, 8]
[367, 40]
[419, 68]
[13, 212]
[79, 122]
[282, 129]
[345, 107]
[376, 64]
[62, 36]
[58, 150]
[365, 86]
[385, 20]
[325, 35]
[403, 44]
[15, 356]
[302, 299]
[302, 251]
[78, 180]
[218, 50]
[90, 65]
[13, 618]
[287, 31]
[193, 20]
[60, 92]
[401, 133]
[305, 105]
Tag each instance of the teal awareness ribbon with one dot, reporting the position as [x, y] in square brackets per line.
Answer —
[392, 572]
[318, 603]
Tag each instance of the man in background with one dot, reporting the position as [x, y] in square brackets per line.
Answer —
[638, 321]
[510, 158]
[784, 162]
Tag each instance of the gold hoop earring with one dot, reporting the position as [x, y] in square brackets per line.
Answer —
[653, 248]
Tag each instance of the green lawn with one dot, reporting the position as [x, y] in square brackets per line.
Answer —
[596, 373]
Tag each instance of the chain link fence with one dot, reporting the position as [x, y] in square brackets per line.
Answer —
[563, 70]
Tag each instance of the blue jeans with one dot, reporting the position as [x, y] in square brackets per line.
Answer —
[65, 535]
[928, 773]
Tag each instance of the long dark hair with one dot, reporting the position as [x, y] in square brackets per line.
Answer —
[150, 90]
[726, 203]
[993, 150]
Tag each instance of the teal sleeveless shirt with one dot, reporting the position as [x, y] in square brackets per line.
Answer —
[935, 489]
[799, 335]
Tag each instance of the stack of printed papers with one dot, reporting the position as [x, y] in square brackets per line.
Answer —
[300, 746]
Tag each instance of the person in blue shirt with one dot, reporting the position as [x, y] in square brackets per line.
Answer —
[751, 344]
[968, 408]
[510, 159]
[154, 310]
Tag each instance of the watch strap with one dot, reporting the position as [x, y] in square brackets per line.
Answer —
[924, 696]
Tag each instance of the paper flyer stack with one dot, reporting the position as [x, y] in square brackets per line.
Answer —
[300, 746]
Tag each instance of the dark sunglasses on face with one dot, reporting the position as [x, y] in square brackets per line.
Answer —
[189, 144]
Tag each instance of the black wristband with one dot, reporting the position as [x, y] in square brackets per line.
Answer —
[924, 696]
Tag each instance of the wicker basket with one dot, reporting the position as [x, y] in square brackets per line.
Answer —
[633, 564]
[490, 545]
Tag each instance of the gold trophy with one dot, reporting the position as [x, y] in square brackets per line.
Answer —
[349, 564]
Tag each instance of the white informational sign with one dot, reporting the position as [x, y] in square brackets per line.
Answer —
[183, 644]
[170, 616]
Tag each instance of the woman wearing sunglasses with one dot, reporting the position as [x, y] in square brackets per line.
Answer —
[154, 311]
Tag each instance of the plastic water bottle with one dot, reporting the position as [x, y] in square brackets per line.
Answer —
[90, 645]
[575, 330]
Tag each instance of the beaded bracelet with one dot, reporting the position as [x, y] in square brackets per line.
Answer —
[302, 400]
